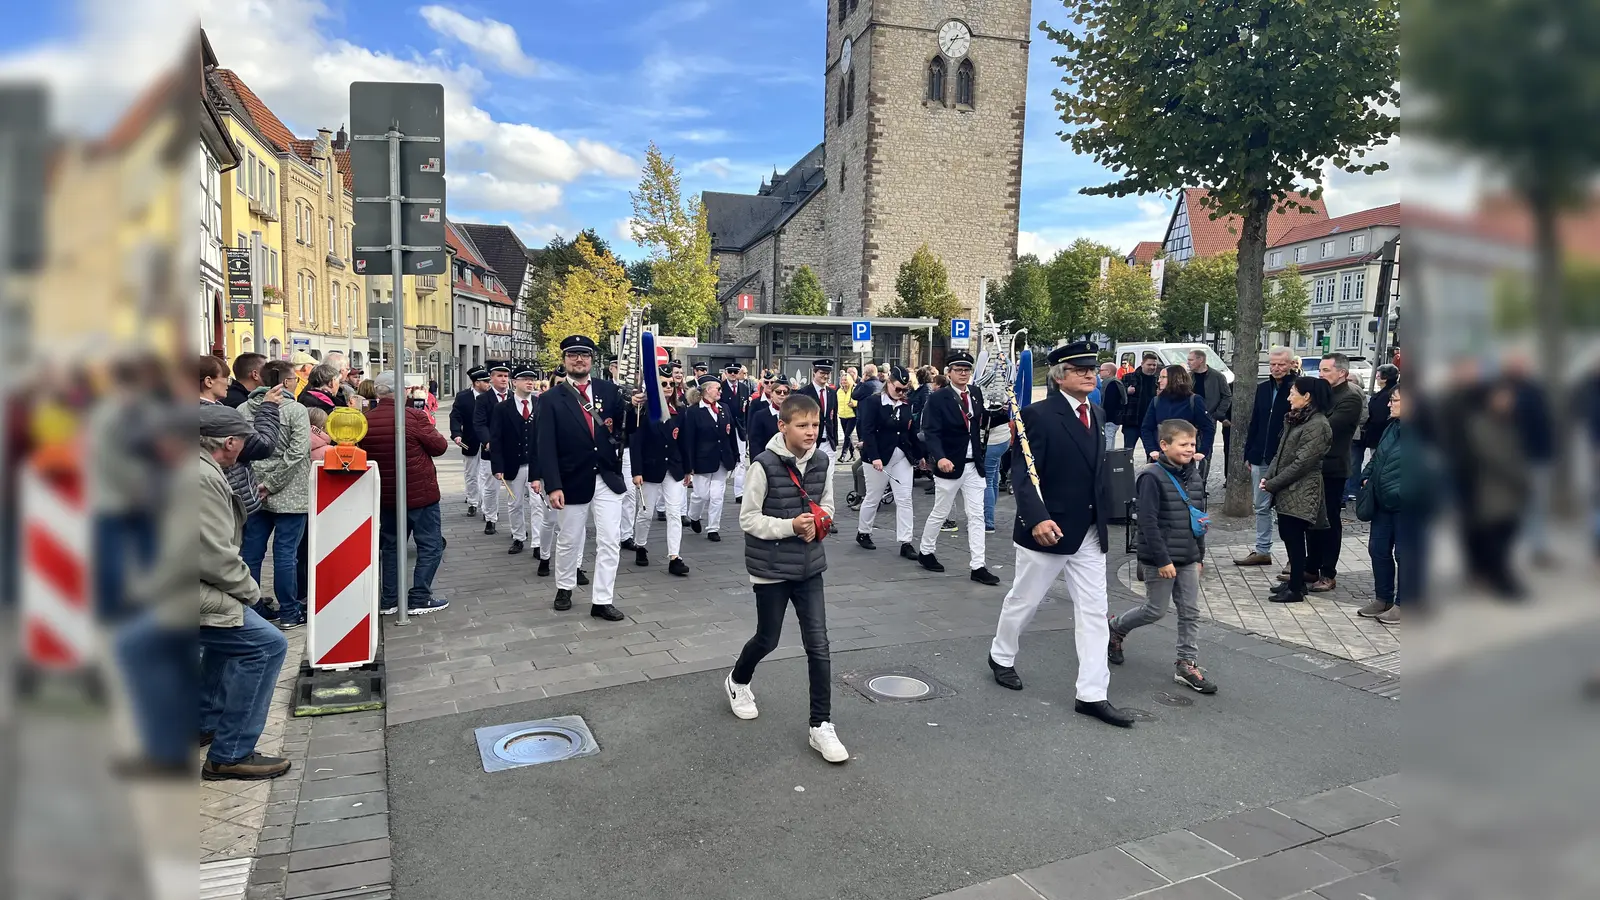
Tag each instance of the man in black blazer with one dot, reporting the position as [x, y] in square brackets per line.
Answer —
[736, 403]
[488, 488]
[655, 453]
[466, 437]
[828, 401]
[953, 432]
[513, 450]
[889, 451]
[580, 470]
[709, 451]
[762, 424]
[1060, 531]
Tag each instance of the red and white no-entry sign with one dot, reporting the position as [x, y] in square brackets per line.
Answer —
[662, 358]
[343, 577]
[57, 617]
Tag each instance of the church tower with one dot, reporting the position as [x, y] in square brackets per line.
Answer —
[923, 142]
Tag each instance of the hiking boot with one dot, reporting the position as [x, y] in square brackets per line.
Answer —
[1374, 609]
[1390, 616]
[1186, 672]
[1114, 648]
[255, 767]
[1255, 558]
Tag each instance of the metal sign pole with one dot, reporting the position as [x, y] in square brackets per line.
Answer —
[397, 281]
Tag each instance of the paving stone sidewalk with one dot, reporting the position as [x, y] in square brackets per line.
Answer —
[1341, 844]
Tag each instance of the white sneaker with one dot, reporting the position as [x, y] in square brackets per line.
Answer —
[741, 698]
[825, 741]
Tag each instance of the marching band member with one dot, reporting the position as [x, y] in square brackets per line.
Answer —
[658, 475]
[736, 403]
[709, 452]
[889, 450]
[513, 451]
[482, 407]
[952, 426]
[828, 401]
[465, 436]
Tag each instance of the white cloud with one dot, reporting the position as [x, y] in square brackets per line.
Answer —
[495, 40]
[704, 136]
[482, 190]
[622, 230]
[1147, 222]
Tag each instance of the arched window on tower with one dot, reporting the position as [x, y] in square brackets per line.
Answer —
[936, 80]
[838, 113]
[850, 94]
[966, 91]
[844, 10]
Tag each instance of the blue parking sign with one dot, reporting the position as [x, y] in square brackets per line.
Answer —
[961, 329]
[861, 331]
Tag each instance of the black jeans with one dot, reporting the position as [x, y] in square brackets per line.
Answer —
[771, 601]
[1295, 533]
[1325, 543]
[849, 428]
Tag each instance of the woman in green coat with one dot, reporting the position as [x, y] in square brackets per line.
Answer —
[1395, 543]
[1295, 479]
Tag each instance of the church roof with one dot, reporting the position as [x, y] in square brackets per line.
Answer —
[737, 221]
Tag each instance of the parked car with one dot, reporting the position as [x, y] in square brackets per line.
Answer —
[1130, 354]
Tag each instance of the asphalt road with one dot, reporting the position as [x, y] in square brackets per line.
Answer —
[685, 801]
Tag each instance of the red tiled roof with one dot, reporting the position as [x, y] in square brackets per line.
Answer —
[270, 126]
[1214, 236]
[349, 174]
[1366, 218]
[144, 110]
[1145, 252]
[463, 248]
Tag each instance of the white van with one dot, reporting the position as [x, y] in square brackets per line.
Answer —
[1130, 354]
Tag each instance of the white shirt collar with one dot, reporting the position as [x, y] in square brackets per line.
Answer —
[707, 404]
[890, 401]
[1073, 402]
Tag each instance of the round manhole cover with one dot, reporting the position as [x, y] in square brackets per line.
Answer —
[547, 743]
[900, 687]
[1166, 699]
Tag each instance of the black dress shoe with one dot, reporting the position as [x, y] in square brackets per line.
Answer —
[661, 515]
[1288, 597]
[930, 562]
[908, 551]
[865, 540]
[983, 576]
[472, 511]
[677, 566]
[582, 578]
[544, 568]
[516, 547]
[714, 538]
[488, 528]
[627, 545]
[694, 525]
[563, 600]
[1005, 676]
[684, 520]
[739, 499]
[1104, 711]
[641, 556]
[608, 612]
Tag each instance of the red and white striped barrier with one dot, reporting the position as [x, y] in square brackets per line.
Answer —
[57, 617]
[343, 576]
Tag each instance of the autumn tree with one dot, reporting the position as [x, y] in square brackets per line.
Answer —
[1287, 300]
[1127, 302]
[683, 276]
[1212, 280]
[1251, 99]
[592, 299]
[551, 264]
[804, 296]
[1024, 298]
[1072, 275]
[923, 289]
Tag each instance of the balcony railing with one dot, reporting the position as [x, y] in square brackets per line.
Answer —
[427, 284]
[427, 335]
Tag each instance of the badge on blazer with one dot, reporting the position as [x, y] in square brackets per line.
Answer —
[674, 434]
[608, 423]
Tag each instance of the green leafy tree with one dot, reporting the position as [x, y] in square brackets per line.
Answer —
[1024, 298]
[591, 298]
[1127, 301]
[551, 263]
[1250, 98]
[804, 295]
[1287, 301]
[1073, 274]
[923, 287]
[641, 275]
[683, 276]
[1189, 287]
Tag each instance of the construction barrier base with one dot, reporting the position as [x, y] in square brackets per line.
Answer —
[50, 686]
[326, 693]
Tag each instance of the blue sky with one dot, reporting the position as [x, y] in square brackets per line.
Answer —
[552, 103]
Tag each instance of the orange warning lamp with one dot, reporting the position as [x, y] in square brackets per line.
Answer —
[346, 428]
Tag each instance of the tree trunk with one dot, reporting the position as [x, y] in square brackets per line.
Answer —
[1246, 350]
[1550, 323]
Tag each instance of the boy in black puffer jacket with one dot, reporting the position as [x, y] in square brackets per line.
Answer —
[1171, 553]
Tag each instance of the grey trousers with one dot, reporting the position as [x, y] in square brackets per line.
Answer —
[1158, 594]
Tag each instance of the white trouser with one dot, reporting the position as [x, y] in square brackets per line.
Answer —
[710, 492]
[544, 522]
[630, 498]
[489, 491]
[738, 469]
[971, 484]
[1085, 575]
[574, 518]
[896, 474]
[671, 493]
[469, 474]
[517, 502]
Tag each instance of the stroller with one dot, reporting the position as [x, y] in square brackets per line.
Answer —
[859, 493]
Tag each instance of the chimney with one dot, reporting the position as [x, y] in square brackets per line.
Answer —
[324, 140]
[341, 140]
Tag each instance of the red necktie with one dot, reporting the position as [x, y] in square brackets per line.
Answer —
[1083, 415]
[588, 419]
[525, 413]
[822, 401]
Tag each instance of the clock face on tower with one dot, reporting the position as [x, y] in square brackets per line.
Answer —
[844, 55]
[954, 39]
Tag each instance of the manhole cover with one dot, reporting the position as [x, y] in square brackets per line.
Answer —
[521, 744]
[1166, 699]
[900, 687]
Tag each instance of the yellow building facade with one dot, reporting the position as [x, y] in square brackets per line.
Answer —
[252, 214]
[429, 326]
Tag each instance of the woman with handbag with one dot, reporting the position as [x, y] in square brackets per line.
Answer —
[1391, 500]
[1295, 479]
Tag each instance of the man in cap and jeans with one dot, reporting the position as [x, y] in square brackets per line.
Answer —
[241, 652]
